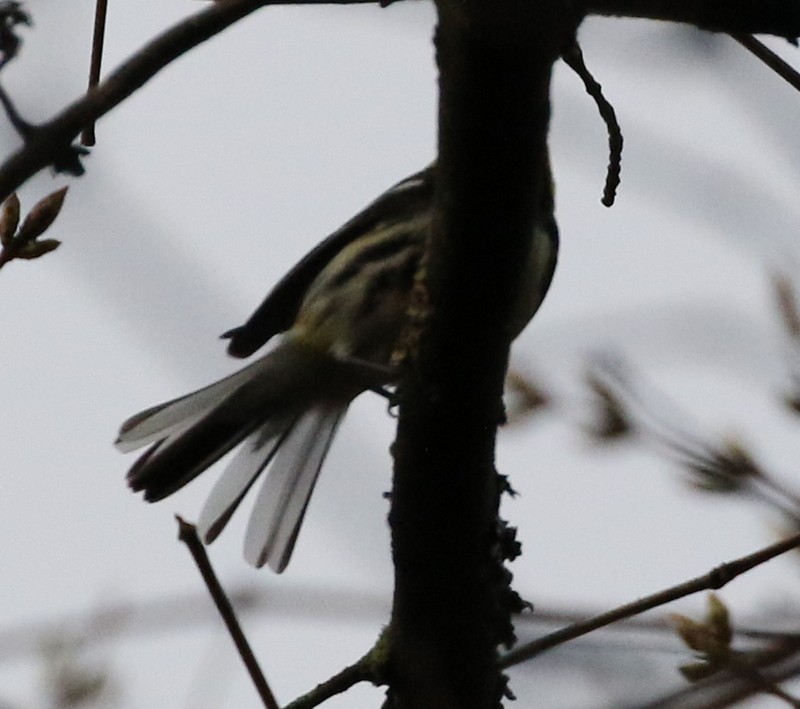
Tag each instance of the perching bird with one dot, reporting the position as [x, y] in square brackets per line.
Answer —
[339, 313]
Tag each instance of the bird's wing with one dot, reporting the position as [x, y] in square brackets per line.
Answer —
[278, 310]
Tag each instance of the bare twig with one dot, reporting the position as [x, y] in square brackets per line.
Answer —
[573, 57]
[716, 578]
[52, 138]
[711, 642]
[786, 300]
[22, 127]
[717, 467]
[88, 137]
[361, 671]
[655, 625]
[789, 313]
[65, 157]
[726, 690]
[187, 533]
[767, 685]
[787, 72]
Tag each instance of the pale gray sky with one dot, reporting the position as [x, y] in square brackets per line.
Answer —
[209, 183]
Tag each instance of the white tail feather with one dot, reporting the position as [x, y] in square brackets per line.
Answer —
[252, 457]
[164, 420]
[162, 432]
[281, 503]
[283, 408]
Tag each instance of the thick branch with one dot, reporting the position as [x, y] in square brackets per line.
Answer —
[778, 17]
[48, 140]
[495, 60]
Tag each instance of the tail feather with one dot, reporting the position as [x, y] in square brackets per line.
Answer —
[236, 480]
[283, 498]
[161, 421]
[170, 464]
[191, 433]
[284, 408]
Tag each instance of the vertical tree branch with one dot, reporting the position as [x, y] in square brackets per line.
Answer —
[495, 61]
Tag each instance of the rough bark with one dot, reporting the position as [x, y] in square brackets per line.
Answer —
[495, 62]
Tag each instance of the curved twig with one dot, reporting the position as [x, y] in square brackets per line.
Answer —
[573, 58]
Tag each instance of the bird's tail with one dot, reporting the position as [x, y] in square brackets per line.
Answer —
[283, 409]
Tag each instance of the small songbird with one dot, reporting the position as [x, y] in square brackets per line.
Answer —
[337, 316]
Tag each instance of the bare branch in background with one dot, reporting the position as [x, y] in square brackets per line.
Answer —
[717, 466]
[11, 15]
[525, 397]
[786, 300]
[785, 296]
[711, 640]
[778, 664]
[715, 579]
[70, 680]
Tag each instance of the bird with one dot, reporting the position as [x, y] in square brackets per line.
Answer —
[333, 320]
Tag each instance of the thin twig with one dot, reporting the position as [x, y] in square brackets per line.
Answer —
[767, 686]
[22, 127]
[650, 625]
[88, 137]
[573, 58]
[52, 138]
[783, 69]
[187, 533]
[716, 578]
[360, 671]
[724, 690]
[717, 467]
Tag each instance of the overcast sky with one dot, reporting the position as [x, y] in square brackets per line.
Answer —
[216, 177]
